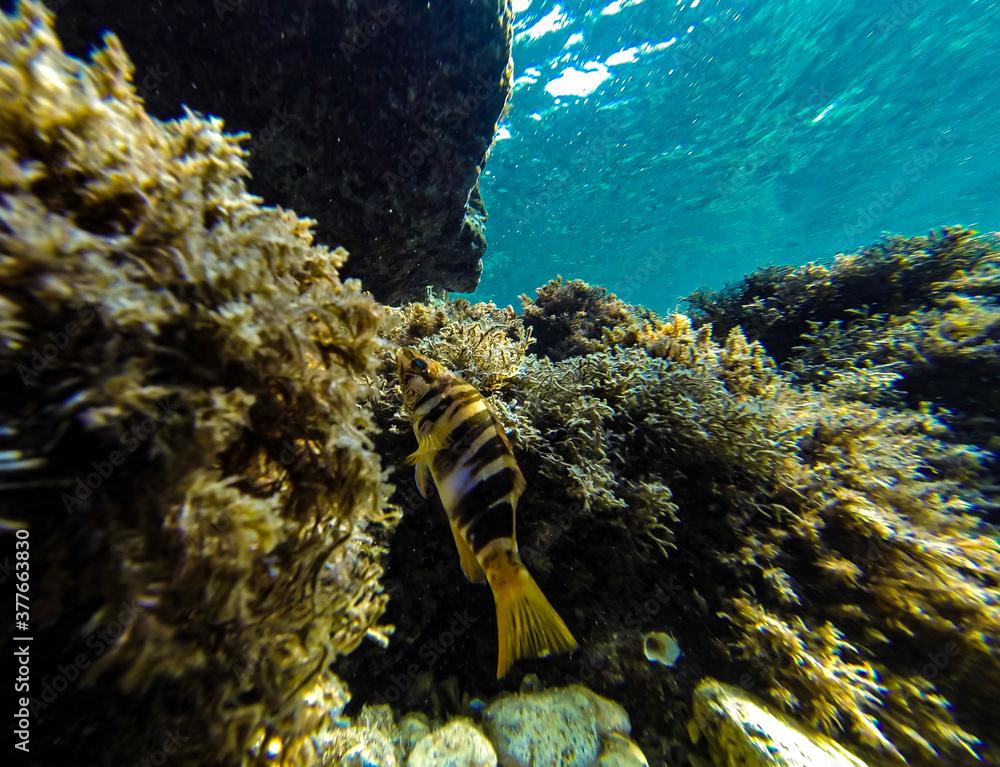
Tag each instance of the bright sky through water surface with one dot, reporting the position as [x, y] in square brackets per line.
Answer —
[656, 146]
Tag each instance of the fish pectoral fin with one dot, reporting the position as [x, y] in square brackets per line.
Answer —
[527, 625]
[422, 476]
[470, 565]
[426, 447]
[420, 455]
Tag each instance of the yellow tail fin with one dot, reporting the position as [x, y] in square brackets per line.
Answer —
[527, 625]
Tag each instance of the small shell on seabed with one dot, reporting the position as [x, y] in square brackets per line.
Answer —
[661, 648]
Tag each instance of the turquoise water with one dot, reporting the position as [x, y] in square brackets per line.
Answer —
[656, 147]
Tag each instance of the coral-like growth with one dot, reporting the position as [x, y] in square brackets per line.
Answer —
[821, 550]
[941, 352]
[570, 318]
[912, 322]
[738, 729]
[775, 305]
[180, 425]
[481, 342]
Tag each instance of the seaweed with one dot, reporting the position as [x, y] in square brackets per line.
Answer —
[904, 321]
[776, 304]
[570, 318]
[182, 440]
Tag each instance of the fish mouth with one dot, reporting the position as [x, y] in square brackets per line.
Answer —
[403, 355]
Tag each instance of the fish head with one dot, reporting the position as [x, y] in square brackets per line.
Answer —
[417, 374]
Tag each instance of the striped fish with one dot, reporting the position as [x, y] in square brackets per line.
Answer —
[461, 445]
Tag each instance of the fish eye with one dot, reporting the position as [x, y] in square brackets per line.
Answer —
[419, 365]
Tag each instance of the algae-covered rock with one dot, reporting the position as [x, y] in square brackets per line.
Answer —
[373, 117]
[412, 729]
[776, 305]
[617, 750]
[740, 731]
[457, 744]
[572, 726]
[562, 727]
[181, 432]
[371, 740]
[569, 318]
[907, 320]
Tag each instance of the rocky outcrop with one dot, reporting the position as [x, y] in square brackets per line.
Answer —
[562, 727]
[568, 727]
[457, 744]
[741, 731]
[373, 118]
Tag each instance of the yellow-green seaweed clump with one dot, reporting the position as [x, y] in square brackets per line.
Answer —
[180, 426]
[481, 341]
[570, 318]
[776, 304]
[912, 322]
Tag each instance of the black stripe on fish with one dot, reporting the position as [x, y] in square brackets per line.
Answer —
[448, 401]
[488, 452]
[495, 522]
[426, 397]
[460, 440]
[483, 494]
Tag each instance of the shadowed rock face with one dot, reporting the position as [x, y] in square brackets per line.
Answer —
[372, 117]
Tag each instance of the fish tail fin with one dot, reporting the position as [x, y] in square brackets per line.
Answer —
[527, 625]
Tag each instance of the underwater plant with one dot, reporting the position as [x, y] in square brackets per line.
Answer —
[569, 318]
[777, 304]
[818, 550]
[932, 340]
[182, 438]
